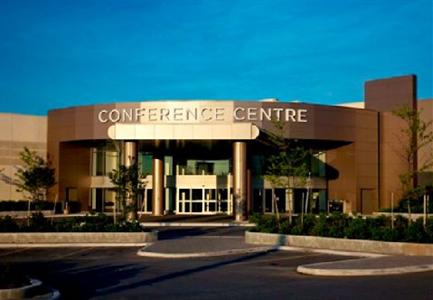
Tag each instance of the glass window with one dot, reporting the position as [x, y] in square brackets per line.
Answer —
[257, 164]
[280, 197]
[197, 194]
[197, 206]
[184, 194]
[104, 161]
[111, 161]
[204, 167]
[209, 194]
[318, 164]
[145, 163]
[258, 200]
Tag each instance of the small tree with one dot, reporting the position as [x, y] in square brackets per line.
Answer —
[415, 135]
[288, 163]
[128, 182]
[34, 177]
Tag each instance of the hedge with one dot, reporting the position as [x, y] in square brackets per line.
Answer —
[22, 205]
[90, 223]
[343, 226]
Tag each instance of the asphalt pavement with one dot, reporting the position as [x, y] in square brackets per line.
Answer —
[119, 273]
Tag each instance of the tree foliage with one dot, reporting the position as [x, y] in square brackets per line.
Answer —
[35, 176]
[128, 182]
[287, 165]
[289, 160]
[415, 135]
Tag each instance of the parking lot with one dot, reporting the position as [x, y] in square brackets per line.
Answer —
[118, 273]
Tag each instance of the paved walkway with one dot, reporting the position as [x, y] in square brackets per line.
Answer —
[201, 246]
[207, 245]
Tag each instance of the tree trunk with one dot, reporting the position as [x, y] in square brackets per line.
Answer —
[28, 212]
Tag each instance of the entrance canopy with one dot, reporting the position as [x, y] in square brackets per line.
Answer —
[233, 131]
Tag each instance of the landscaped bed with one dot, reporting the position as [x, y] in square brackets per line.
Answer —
[339, 225]
[90, 223]
[95, 230]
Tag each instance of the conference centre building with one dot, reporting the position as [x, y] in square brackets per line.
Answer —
[211, 157]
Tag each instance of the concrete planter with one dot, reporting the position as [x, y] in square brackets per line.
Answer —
[77, 238]
[390, 248]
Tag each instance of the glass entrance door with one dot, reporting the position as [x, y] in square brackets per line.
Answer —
[202, 201]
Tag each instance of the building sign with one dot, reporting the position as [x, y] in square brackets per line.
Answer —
[201, 114]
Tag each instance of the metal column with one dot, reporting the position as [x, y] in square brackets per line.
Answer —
[129, 158]
[240, 180]
[158, 185]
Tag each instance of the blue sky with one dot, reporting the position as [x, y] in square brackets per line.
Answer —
[64, 53]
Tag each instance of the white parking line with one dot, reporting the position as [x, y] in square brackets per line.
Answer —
[13, 252]
[72, 253]
[275, 259]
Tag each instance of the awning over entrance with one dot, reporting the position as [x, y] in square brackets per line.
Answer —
[234, 131]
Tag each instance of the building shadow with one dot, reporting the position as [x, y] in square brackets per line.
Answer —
[183, 273]
[74, 282]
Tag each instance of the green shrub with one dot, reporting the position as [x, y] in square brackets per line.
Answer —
[340, 225]
[429, 230]
[22, 205]
[415, 232]
[379, 221]
[357, 228]
[376, 233]
[390, 235]
[267, 224]
[400, 222]
[285, 227]
[309, 222]
[38, 223]
[320, 227]
[8, 224]
[337, 223]
[298, 229]
[97, 223]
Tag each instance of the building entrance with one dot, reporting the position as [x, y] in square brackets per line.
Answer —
[203, 201]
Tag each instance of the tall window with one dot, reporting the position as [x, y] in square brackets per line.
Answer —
[145, 162]
[104, 160]
[318, 164]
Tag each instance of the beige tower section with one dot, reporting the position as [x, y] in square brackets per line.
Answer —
[16, 132]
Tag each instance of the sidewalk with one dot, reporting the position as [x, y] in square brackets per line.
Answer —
[367, 264]
[201, 246]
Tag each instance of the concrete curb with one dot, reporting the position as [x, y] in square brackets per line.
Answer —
[69, 245]
[340, 244]
[69, 238]
[31, 291]
[333, 252]
[194, 224]
[314, 269]
[143, 252]
[23, 292]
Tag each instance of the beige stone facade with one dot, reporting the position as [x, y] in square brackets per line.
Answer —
[16, 132]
